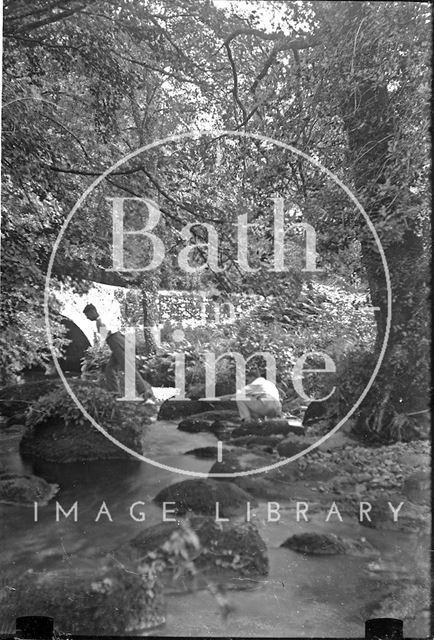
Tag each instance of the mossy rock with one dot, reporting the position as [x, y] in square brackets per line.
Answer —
[269, 427]
[415, 518]
[201, 496]
[242, 459]
[329, 544]
[231, 551]
[25, 489]
[172, 409]
[54, 441]
[205, 421]
[272, 484]
[105, 600]
[293, 445]
[58, 431]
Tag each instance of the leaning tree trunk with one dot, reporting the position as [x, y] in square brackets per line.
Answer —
[401, 385]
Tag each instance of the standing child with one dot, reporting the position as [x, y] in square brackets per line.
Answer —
[116, 342]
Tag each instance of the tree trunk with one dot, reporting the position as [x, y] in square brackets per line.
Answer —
[150, 316]
[402, 383]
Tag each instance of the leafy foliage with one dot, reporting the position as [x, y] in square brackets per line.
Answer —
[350, 88]
[98, 402]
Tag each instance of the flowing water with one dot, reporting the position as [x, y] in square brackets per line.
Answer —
[301, 597]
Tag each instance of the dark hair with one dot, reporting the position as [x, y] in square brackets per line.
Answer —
[89, 307]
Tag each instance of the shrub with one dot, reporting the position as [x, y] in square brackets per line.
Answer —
[98, 403]
[94, 360]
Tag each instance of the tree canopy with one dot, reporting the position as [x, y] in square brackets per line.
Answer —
[86, 83]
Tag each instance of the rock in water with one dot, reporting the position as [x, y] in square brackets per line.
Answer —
[223, 429]
[54, 441]
[328, 544]
[268, 427]
[201, 496]
[58, 431]
[230, 549]
[293, 445]
[106, 600]
[410, 517]
[203, 452]
[205, 421]
[25, 489]
[172, 409]
[241, 459]
[274, 484]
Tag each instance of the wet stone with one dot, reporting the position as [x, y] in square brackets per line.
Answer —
[293, 445]
[89, 601]
[173, 409]
[273, 426]
[203, 452]
[329, 544]
[227, 549]
[25, 489]
[202, 496]
[205, 421]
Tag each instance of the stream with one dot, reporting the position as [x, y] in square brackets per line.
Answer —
[301, 597]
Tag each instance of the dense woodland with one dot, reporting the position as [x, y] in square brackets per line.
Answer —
[87, 82]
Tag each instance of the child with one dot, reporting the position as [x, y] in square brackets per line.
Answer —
[116, 342]
[259, 399]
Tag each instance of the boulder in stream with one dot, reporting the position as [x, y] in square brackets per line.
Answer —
[57, 430]
[173, 408]
[228, 551]
[104, 600]
[410, 517]
[329, 544]
[25, 489]
[54, 441]
[269, 427]
[272, 484]
[203, 452]
[205, 421]
[202, 496]
[293, 445]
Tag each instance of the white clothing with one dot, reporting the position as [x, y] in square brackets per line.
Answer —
[106, 328]
[261, 389]
[259, 399]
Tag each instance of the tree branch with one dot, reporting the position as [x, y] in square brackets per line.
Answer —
[62, 126]
[294, 44]
[250, 32]
[235, 86]
[57, 17]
